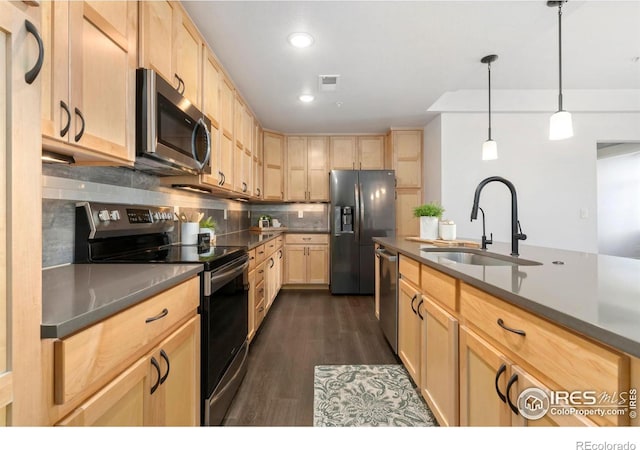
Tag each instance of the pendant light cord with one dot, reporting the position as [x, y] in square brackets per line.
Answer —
[489, 69]
[560, 56]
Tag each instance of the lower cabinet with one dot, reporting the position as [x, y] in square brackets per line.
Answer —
[306, 259]
[265, 281]
[439, 362]
[161, 388]
[409, 328]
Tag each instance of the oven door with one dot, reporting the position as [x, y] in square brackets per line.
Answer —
[224, 320]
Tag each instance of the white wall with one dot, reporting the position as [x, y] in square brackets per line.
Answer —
[556, 181]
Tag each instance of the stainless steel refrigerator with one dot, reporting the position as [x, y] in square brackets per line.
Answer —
[362, 207]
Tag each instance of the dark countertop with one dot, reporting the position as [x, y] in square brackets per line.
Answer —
[596, 295]
[79, 295]
[251, 239]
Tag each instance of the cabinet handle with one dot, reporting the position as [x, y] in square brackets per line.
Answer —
[501, 370]
[166, 358]
[252, 258]
[261, 253]
[259, 192]
[261, 309]
[162, 314]
[280, 253]
[360, 165]
[81, 132]
[419, 305]
[306, 239]
[413, 300]
[180, 83]
[261, 271]
[273, 263]
[32, 74]
[512, 380]
[261, 290]
[65, 130]
[155, 364]
[244, 187]
[220, 175]
[513, 330]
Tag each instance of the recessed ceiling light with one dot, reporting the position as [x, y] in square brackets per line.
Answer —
[306, 98]
[300, 40]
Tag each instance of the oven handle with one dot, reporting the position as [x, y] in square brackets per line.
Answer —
[226, 275]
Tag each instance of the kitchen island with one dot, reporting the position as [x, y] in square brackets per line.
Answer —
[473, 335]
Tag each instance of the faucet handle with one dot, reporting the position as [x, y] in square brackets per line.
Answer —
[486, 241]
[521, 236]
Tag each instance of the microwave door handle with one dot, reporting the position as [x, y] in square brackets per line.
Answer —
[200, 123]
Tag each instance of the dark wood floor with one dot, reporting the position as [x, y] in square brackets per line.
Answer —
[302, 330]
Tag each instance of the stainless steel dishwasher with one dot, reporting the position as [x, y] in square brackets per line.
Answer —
[389, 295]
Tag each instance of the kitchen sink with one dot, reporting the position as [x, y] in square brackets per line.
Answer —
[476, 259]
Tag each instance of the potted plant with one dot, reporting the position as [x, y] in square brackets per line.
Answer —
[429, 215]
[208, 225]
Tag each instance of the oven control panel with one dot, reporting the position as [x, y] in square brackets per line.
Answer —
[106, 219]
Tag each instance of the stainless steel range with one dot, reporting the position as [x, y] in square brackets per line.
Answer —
[114, 233]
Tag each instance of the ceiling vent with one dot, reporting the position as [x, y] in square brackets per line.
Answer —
[328, 83]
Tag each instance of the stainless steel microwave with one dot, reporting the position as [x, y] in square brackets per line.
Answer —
[172, 135]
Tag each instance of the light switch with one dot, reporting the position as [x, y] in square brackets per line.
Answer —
[224, 211]
[300, 214]
[584, 213]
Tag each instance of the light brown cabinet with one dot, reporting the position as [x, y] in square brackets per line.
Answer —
[258, 162]
[406, 223]
[409, 328]
[370, 152]
[306, 259]
[357, 152]
[211, 108]
[171, 45]
[405, 155]
[160, 389]
[307, 168]
[89, 83]
[273, 166]
[344, 152]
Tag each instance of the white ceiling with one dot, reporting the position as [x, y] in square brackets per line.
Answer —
[397, 58]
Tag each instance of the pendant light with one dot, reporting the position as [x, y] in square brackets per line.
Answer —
[489, 148]
[560, 124]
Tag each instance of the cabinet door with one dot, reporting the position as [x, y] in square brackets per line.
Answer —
[407, 149]
[318, 169]
[157, 37]
[483, 377]
[409, 329]
[226, 161]
[103, 43]
[523, 380]
[295, 264]
[247, 130]
[317, 264]
[296, 171]
[238, 125]
[211, 90]
[406, 223]
[55, 68]
[247, 172]
[226, 108]
[371, 152]
[270, 281]
[120, 403]
[257, 163]
[273, 173]
[280, 267]
[439, 362]
[176, 401]
[238, 175]
[343, 153]
[188, 56]
[252, 305]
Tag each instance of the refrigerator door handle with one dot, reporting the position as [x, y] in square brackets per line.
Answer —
[361, 209]
[356, 226]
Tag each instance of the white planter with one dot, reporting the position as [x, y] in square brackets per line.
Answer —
[428, 227]
[210, 232]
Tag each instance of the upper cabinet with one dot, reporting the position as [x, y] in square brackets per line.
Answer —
[357, 152]
[171, 45]
[211, 108]
[407, 157]
[307, 168]
[88, 80]
[273, 166]
[258, 161]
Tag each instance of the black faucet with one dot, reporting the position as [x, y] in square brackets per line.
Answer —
[485, 241]
[516, 231]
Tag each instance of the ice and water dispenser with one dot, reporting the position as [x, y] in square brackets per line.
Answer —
[343, 219]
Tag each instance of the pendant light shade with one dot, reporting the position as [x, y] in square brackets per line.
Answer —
[489, 148]
[560, 124]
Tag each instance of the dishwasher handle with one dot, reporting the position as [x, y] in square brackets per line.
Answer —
[386, 255]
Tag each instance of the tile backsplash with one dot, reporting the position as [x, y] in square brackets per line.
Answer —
[63, 186]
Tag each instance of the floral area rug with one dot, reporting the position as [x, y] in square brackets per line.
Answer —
[367, 395]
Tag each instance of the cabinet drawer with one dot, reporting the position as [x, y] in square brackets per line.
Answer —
[279, 241]
[259, 273]
[439, 286]
[570, 361]
[259, 294]
[95, 355]
[260, 254]
[252, 259]
[409, 270]
[306, 239]
[270, 247]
